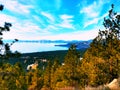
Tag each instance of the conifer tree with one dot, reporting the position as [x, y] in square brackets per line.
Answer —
[47, 75]
[5, 51]
[104, 51]
[71, 61]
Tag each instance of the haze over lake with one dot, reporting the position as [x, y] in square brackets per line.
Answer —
[29, 47]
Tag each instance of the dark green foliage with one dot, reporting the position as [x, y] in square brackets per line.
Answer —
[12, 77]
[5, 52]
[104, 51]
[1, 7]
[47, 75]
[70, 66]
[50, 55]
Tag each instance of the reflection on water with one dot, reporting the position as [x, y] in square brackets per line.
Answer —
[36, 47]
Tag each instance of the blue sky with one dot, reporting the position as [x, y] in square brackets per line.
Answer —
[55, 19]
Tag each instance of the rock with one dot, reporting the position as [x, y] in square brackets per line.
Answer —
[114, 84]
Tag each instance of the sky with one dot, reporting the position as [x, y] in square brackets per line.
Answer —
[55, 19]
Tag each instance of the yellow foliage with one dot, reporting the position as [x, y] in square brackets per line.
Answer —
[62, 84]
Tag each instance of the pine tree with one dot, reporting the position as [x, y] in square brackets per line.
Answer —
[5, 51]
[104, 51]
[71, 60]
[47, 75]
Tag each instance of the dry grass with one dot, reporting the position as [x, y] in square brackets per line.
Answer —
[114, 85]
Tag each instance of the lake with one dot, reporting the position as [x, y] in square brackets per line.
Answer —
[29, 47]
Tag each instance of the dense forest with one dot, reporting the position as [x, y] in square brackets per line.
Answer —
[99, 65]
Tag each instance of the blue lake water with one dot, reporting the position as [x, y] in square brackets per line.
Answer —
[24, 47]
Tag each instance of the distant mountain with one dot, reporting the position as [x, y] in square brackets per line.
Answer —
[43, 41]
[50, 41]
[79, 44]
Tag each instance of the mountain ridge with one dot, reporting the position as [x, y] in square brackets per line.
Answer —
[49, 41]
[78, 44]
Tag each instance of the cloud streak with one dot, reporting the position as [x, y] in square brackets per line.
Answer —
[95, 20]
[7, 18]
[41, 20]
[79, 35]
[16, 6]
[92, 13]
[66, 21]
[48, 15]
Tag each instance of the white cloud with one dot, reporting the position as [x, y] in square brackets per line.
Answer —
[66, 24]
[91, 11]
[66, 21]
[21, 29]
[24, 30]
[52, 27]
[48, 15]
[28, 30]
[49, 30]
[39, 20]
[79, 35]
[95, 20]
[6, 18]
[65, 17]
[26, 27]
[15, 6]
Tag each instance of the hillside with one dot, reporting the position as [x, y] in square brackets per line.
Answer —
[49, 55]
